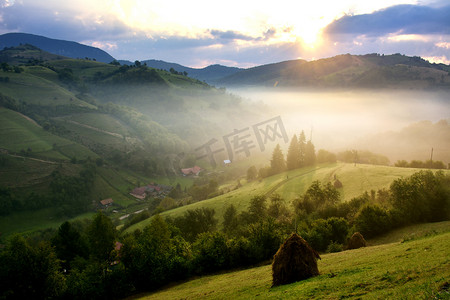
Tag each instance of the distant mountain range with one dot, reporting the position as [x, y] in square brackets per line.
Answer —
[58, 47]
[342, 71]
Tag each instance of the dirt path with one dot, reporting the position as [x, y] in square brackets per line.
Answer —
[35, 159]
[96, 129]
[29, 119]
[268, 193]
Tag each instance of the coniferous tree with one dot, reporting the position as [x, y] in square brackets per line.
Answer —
[310, 154]
[277, 163]
[302, 147]
[293, 154]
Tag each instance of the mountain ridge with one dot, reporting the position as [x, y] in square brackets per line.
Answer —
[60, 47]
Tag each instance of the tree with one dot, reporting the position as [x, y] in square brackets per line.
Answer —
[101, 235]
[277, 208]
[28, 272]
[152, 258]
[230, 220]
[277, 164]
[196, 221]
[210, 252]
[310, 154]
[372, 220]
[325, 156]
[257, 209]
[317, 197]
[69, 244]
[252, 173]
[293, 159]
[302, 147]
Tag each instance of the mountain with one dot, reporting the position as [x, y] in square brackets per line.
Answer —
[210, 74]
[342, 71]
[58, 47]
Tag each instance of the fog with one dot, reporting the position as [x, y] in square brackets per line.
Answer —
[340, 120]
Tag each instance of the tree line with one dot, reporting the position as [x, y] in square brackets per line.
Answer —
[90, 259]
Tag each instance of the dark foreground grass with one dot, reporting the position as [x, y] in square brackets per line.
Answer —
[415, 269]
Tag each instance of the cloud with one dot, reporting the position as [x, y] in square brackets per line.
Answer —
[56, 20]
[406, 19]
[229, 35]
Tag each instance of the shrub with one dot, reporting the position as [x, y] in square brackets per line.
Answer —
[334, 247]
[372, 220]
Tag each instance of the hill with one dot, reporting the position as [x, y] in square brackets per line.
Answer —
[123, 126]
[348, 71]
[210, 74]
[417, 268]
[58, 47]
[292, 184]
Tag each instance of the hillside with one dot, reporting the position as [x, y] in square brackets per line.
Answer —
[210, 74]
[417, 269]
[348, 71]
[292, 184]
[98, 131]
[58, 47]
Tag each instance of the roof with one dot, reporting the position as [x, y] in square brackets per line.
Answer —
[139, 190]
[118, 246]
[194, 170]
[107, 201]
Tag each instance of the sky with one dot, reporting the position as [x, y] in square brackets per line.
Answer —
[198, 33]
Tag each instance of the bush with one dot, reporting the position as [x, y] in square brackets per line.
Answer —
[211, 252]
[334, 247]
[372, 220]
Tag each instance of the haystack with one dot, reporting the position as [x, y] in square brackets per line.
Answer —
[294, 261]
[356, 241]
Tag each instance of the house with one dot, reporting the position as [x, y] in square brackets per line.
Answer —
[105, 203]
[191, 171]
[139, 192]
[151, 190]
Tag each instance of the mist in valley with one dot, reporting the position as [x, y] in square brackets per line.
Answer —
[394, 123]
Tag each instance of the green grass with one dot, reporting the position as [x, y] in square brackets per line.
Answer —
[411, 232]
[102, 122]
[37, 90]
[19, 133]
[419, 269]
[29, 221]
[292, 184]
[42, 72]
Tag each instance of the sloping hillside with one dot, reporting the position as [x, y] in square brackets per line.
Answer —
[356, 179]
[357, 71]
[416, 269]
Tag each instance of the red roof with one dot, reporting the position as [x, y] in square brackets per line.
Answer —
[107, 201]
[194, 170]
[139, 190]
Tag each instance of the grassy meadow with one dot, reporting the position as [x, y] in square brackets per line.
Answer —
[356, 179]
[415, 268]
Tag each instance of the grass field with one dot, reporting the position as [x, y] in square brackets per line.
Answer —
[415, 269]
[292, 184]
[38, 90]
[19, 133]
[29, 221]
